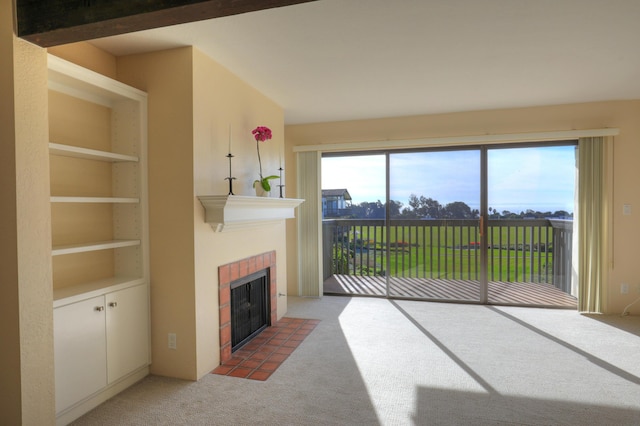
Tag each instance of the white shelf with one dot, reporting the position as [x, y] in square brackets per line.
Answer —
[69, 78]
[101, 245]
[230, 212]
[66, 295]
[88, 154]
[113, 200]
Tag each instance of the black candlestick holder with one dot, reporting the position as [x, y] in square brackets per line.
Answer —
[230, 178]
[280, 186]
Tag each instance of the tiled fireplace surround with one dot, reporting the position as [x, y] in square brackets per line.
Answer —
[236, 270]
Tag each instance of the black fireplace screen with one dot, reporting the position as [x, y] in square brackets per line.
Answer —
[250, 310]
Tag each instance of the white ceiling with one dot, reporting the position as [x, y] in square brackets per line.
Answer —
[334, 60]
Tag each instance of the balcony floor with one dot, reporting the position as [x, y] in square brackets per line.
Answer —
[500, 293]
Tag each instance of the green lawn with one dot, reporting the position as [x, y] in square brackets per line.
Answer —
[447, 252]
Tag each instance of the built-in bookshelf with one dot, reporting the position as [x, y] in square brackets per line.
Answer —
[98, 178]
[97, 147]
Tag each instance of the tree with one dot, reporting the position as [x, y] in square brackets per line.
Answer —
[425, 207]
[394, 208]
[376, 210]
[457, 210]
[369, 210]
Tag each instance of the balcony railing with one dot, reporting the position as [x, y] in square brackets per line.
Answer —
[519, 250]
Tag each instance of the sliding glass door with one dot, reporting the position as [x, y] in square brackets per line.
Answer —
[485, 224]
[434, 249]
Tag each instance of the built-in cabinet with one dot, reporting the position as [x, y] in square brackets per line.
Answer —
[80, 351]
[98, 341]
[97, 134]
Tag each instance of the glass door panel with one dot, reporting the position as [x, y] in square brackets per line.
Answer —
[530, 224]
[353, 210]
[433, 234]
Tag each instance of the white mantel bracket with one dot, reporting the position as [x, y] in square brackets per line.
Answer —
[229, 212]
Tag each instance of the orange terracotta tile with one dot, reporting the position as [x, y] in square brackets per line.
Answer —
[223, 369]
[260, 355]
[242, 353]
[225, 316]
[225, 334]
[285, 351]
[225, 298]
[278, 357]
[252, 346]
[224, 275]
[251, 363]
[240, 372]
[298, 337]
[233, 361]
[271, 348]
[225, 352]
[260, 375]
[267, 351]
[252, 265]
[269, 366]
[234, 271]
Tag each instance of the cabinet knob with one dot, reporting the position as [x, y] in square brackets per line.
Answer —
[113, 304]
[99, 308]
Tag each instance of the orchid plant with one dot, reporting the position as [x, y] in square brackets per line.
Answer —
[262, 134]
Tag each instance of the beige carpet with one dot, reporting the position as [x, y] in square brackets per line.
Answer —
[374, 361]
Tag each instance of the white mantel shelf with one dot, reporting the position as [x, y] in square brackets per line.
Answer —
[230, 212]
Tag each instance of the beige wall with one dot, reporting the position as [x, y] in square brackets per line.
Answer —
[88, 56]
[26, 296]
[192, 103]
[222, 100]
[10, 389]
[623, 115]
[167, 78]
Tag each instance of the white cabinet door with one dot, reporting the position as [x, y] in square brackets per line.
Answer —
[80, 350]
[127, 331]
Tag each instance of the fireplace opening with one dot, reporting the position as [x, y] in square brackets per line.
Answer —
[250, 307]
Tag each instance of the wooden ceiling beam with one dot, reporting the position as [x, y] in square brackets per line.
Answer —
[54, 22]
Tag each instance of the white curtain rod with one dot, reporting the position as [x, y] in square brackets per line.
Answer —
[458, 140]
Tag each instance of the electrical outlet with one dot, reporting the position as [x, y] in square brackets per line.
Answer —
[624, 288]
[172, 341]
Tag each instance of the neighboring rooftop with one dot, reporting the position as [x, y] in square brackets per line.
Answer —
[342, 192]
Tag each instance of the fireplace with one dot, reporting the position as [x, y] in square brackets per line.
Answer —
[238, 274]
[249, 307]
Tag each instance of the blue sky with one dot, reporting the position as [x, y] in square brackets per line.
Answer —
[540, 178]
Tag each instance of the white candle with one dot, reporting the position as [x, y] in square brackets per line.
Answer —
[229, 138]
